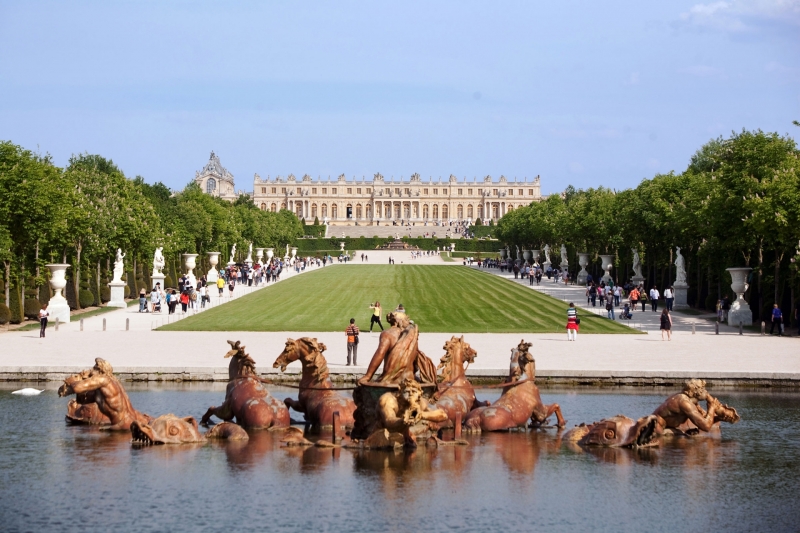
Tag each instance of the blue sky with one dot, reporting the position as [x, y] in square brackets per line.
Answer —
[582, 93]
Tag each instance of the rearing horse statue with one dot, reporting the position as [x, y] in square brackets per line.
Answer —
[317, 401]
[246, 398]
[455, 393]
[520, 399]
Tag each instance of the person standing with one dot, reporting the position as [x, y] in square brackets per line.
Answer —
[202, 291]
[654, 296]
[220, 285]
[184, 301]
[669, 297]
[43, 314]
[666, 324]
[633, 296]
[573, 323]
[376, 316]
[610, 308]
[352, 341]
[777, 319]
[617, 294]
[142, 300]
[642, 296]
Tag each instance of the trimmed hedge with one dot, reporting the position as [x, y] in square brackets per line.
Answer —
[32, 308]
[314, 230]
[5, 314]
[16, 306]
[312, 246]
[86, 298]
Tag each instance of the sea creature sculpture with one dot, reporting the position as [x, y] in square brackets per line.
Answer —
[406, 412]
[246, 397]
[170, 429]
[317, 399]
[681, 413]
[617, 431]
[99, 386]
[455, 393]
[519, 402]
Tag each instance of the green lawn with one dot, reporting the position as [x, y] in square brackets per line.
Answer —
[449, 299]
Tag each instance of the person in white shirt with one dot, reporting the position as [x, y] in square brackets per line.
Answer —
[654, 296]
[617, 294]
[43, 314]
[669, 296]
[203, 291]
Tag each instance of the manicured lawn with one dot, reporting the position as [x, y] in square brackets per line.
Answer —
[449, 299]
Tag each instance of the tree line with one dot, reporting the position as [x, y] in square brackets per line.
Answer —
[736, 204]
[82, 213]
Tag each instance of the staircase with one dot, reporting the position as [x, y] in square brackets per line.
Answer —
[391, 231]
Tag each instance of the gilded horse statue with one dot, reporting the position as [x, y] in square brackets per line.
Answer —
[455, 393]
[520, 399]
[317, 399]
[246, 398]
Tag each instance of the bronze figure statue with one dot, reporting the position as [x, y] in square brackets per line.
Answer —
[99, 386]
[408, 413]
[681, 413]
[617, 431]
[519, 402]
[246, 398]
[317, 401]
[455, 393]
[170, 429]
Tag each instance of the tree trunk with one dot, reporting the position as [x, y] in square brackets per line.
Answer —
[37, 261]
[77, 270]
[22, 285]
[778, 259]
[7, 282]
[758, 282]
[99, 292]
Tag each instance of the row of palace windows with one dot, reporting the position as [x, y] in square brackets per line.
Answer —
[407, 191]
[404, 212]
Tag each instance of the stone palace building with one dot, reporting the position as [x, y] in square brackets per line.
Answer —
[369, 202]
[376, 201]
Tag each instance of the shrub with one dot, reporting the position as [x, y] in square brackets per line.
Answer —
[139, 286]
[5, 314]
[316, 221]
[478, 222]
[168, 281]
[16, 311]
[32, 308]
[86, 298]
[105, 294]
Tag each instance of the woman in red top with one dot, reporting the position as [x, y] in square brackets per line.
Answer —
[184, 300]
[572, 323]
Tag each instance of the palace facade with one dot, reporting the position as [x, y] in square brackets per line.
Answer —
[345, 202]
[215, 179]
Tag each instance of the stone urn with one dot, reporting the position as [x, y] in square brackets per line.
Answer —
[213, 260]
[607, 262]
[190, 262]
[270, 254]
[58, 306]
[294, 252]
[526, 255]
[260, 256]
[535, 257]
[583, 260]
[341, 246]
[502, 253]
[740, 311]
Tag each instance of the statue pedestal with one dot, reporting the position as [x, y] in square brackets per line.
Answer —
[546, 265]
[638, 280]
[157, 278]
[59, 309]
[740, 312]
[680, 295]
[117, 294]
[212, 276]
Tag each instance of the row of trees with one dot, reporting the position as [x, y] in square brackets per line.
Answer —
[82, 213]
[736, 204]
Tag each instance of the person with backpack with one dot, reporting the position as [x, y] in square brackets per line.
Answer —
[593, 295]
[352, 341]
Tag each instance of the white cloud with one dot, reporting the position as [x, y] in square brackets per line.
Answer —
[740, 16]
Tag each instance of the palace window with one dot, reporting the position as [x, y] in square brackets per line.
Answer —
[313, 190]
[274, 190]
[435, 191]
[469, 191]
[408, 191]
[397, 190]
[333, 190]
[460, 192]
[324, 190]
[349, 190]
[369, 190]
[314, 210]
[211, 185]
[263, 207]
[521, 192]
[263, 190]
[495, 192]
[274, 208]
[469, 211]
[425, 191]
[530, 192]
[299, 190]
[283, 190]
[324, 211]
[358, 191]
[480, 191]
[511, 192]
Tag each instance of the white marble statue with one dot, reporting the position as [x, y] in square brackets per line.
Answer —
[249, 259]
[680, 266]
[637, 264]
[119, 266]
[233, 254]
[564, 261]
[158, 261]
[547, 253]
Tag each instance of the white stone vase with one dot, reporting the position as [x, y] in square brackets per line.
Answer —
[294, 252]
[58, 306]
[260, 256]
[502, 253]
[190, 262]
[526, 255]
[607, 262]
[270, 254]
[213, 260]
[740, 311]
[535, 256]
[583, 260]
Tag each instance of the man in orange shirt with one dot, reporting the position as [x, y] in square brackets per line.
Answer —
[352, 341]
[634, 297]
